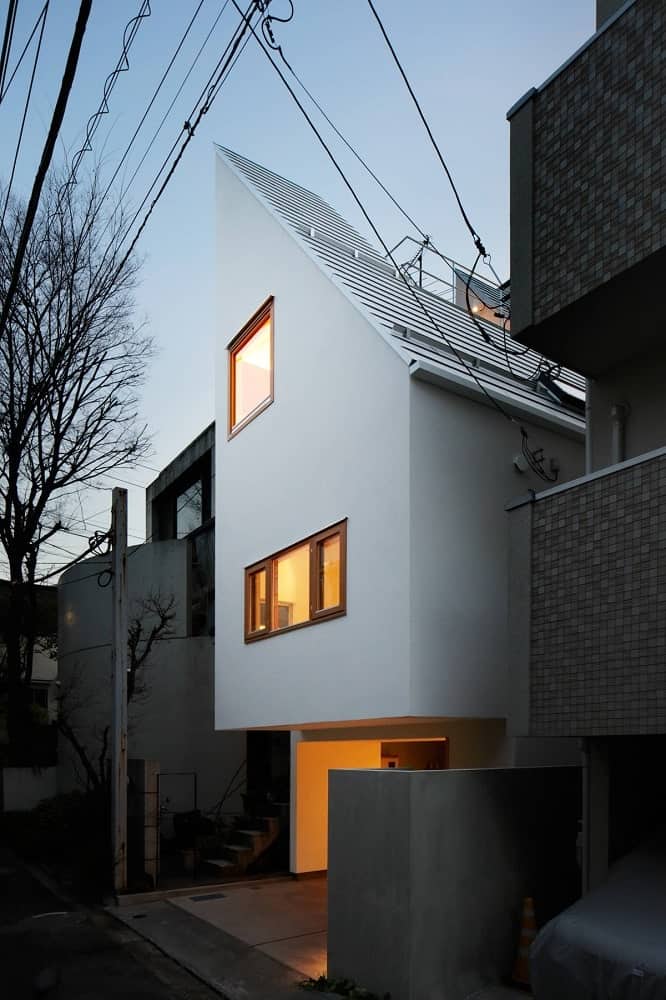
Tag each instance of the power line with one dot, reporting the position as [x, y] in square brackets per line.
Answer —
[7, 42]
[3, 92]
[154, 97]
[209, 94]
[475, 236]
[535, 458]
[47, 154]
[176, 96]
[25, 111]
[206, 89]
[122, 66]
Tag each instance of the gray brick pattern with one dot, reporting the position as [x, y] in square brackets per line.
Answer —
[598, 617]
[600, 161]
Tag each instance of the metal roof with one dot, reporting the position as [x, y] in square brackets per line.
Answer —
[392, 307]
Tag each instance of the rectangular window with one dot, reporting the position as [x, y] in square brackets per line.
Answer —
[251, 369]
[297, 586]
[189, 509]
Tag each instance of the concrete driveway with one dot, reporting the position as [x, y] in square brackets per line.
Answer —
[285, 919]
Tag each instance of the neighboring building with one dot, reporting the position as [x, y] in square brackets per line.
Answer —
[28, 774]
[362, 570]
[43, 683]
[588, 252]
[172, 722]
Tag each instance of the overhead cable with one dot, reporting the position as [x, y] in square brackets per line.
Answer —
[154, 97]
[8, 84]
[122, 66]
[25, 112]
[47, 154]
[7, 42]
[168, 111]
[475, 236]
[189, 127]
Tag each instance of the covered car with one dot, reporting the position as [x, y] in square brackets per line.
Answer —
[611, 944]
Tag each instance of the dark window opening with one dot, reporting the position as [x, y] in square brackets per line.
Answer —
[202, 582]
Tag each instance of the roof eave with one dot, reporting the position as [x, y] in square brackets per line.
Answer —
[523, 409]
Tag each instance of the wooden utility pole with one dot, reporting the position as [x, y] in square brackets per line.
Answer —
[119, 694]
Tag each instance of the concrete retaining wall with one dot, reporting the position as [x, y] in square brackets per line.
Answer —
[22, 788]
[428, 870]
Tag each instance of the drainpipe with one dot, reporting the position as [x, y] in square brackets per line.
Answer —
[618, 428]
[584, 832]
[588, 427]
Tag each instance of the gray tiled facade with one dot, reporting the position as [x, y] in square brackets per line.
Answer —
[600, 161]
[598, 614]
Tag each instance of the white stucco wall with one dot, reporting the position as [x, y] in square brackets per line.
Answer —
[462, 475]
[334, 444]
[174, 721]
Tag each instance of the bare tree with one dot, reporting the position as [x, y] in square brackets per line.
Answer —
[71, 361]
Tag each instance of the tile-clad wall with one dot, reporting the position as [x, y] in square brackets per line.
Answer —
[600, 160]
[598, 616]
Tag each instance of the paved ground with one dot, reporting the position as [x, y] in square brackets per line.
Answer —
[60, 952]
[246, 942]
[230, 942]
[250, 941]
[286, 920]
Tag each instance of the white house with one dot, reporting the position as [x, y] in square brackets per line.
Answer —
[362, 561]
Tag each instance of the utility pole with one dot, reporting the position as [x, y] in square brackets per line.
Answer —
[119, 683]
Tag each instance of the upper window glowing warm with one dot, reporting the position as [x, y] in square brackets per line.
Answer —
[297, 586]
[251, 369]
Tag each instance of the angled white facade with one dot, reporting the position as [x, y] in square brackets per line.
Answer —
[376, 422]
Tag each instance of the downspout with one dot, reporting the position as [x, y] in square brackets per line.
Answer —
[588, 427]
[618, 429]
[585, 743]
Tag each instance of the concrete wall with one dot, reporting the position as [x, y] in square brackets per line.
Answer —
[173, 721]
[461, 476]
[428, 870]
[22, 788]
[334, 444]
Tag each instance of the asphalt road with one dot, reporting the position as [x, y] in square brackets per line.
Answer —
[60, 952]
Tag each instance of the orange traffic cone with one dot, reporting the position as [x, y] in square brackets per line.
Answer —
[521, 969]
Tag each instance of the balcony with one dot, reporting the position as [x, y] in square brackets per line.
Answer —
[588, 216]
[588, 604]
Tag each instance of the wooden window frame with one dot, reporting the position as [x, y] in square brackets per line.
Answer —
[315, 614]
[234, 346]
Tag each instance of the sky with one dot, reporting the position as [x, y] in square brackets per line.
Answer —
[468, 63]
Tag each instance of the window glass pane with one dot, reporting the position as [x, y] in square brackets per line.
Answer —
[252, 372]
[291, 588]
[202, 583]
[258, 601]
[328, 573]
[189, 509]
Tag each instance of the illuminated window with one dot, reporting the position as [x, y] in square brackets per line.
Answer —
[297, 586]
[251, 369]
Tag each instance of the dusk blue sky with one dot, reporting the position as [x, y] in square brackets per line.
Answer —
[468, 62]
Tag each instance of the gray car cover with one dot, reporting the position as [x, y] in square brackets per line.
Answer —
[610, 945]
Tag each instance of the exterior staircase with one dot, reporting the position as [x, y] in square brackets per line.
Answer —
[248, 840]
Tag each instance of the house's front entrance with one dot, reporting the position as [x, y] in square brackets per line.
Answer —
[311, 763]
